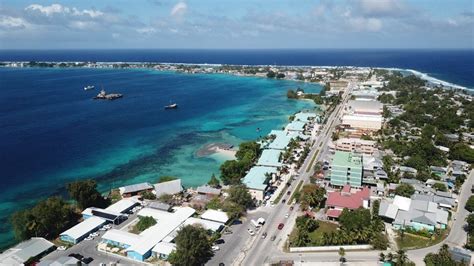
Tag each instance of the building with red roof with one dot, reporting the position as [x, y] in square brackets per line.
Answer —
[338, 200]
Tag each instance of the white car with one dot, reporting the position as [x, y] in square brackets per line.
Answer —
[95, 234]
[215, 248]
[61, 248]
[251, 232]
[287, 215]
[88, 238]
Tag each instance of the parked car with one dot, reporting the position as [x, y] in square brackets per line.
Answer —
[61, 248]
[251, 232]
[280, 226]
[288, 193]
[264, 235]
[220, 241]
[273, 238]
[287, 215]
[283, 201]
[215, 248]
[87, 260]
[88, 238]
[76, 255]
[291, 208]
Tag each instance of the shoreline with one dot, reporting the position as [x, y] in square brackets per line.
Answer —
[153, 65]
[223, 149]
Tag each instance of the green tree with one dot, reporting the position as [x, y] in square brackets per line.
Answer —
[46, 219]
[166, 198]
[144, 223]
[193, 247]
[214, 182]
[405, 190]
[342, 253]
[280, 76]
[85, 193]
[470, 204]
[240, 195]
[305, 223]
[233, 210]
[312, 195]
[148, 195]
[442, 258]
[463, 152]
[440, 187]
[355, 219]
[215, 204]
[271, 74]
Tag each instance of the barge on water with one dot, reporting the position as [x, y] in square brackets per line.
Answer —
[104, 96]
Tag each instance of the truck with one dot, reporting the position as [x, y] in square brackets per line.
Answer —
[255, 223]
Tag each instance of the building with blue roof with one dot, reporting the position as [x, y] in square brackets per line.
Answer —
[295, 125]
[282, 139]
[270, 157]
[304, 116]
[257, 180]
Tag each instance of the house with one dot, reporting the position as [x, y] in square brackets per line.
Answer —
[81, 230]
[355, 145]
[258, 180]
[281, 139]
[443, 202]
[208, 190]
[417, 214]
[270, 157]
[406, 170]
[338, 200]
[214, 215]
[438, 170]
[371, 163]
[169, 187]
[160, 206]
[33, 248]
[346, 168]
[363, 107]
[140, 246]
[362, 122]
[136, 189]
[61, 261]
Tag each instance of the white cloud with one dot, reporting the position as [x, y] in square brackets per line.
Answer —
[365, 24]
[48, 10]
[179, 9]
[381, 8]
[146, 30]
[88, 12]
[7, 22]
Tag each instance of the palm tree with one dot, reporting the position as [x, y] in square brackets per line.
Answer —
[402, 257]
[342, 252]
[382, 256]
[390, 256]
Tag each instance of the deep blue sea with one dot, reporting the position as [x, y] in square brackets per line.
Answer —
[52, 132]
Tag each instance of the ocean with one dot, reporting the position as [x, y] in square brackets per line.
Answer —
[54, 133]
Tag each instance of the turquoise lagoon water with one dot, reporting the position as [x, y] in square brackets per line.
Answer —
[53, 132]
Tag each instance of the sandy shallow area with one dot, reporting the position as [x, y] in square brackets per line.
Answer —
[220, 148]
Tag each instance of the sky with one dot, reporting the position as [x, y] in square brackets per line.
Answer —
[243, 24]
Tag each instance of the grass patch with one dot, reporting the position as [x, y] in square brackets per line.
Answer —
[317, 235]
[312, 161]
[324, 227]
[411, 241]
[298, 187]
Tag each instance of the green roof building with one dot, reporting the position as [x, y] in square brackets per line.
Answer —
[346, 168]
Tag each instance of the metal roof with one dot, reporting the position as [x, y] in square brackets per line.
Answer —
[170, 187]
[83, 228]
[213, 215]
[270, 157]
[208, 190]
[122, 205]
[25, 250]
[256, 177]
[135, 188]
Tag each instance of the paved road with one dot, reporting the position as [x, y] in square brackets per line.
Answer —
[264, 249]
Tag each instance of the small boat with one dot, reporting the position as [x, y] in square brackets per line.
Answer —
[171, 106]
[90, 87]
